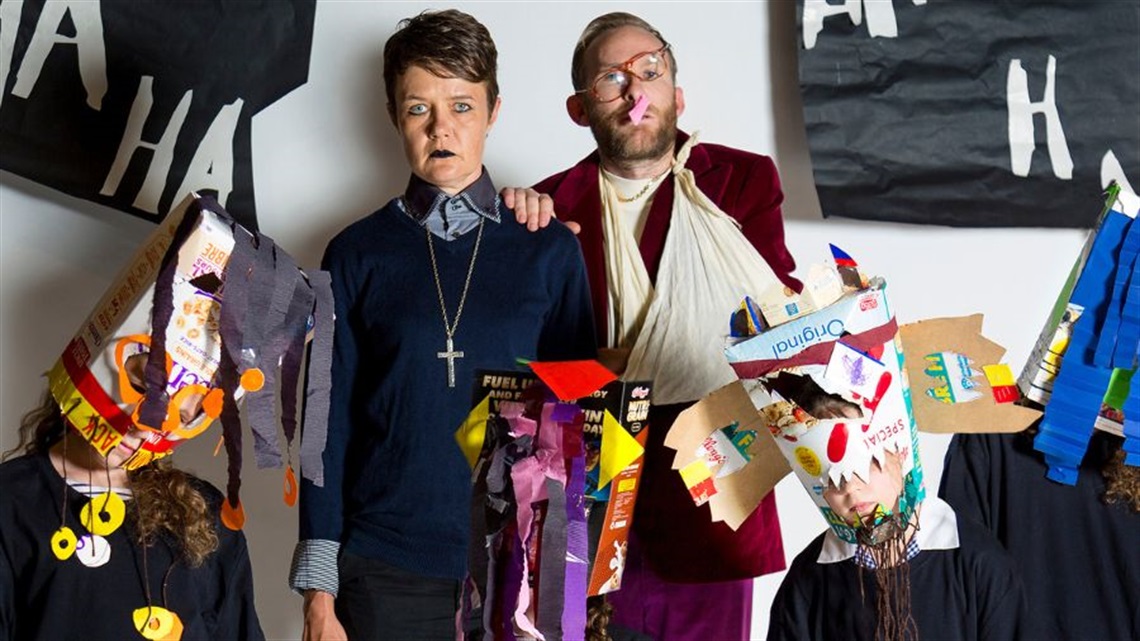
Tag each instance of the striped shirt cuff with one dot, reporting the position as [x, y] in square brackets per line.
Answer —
[314, 566]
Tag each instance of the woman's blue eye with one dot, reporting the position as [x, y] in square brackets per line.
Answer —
[417, 110]
[463, 107]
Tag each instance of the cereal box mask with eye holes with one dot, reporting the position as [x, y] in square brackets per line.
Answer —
[236, 313]
[833, 393]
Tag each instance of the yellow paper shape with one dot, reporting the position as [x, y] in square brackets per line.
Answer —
[999, 375]
[471, 433]
[103, 514]
[63, 543]
[157, 624]
[694, 473]
[619, 449]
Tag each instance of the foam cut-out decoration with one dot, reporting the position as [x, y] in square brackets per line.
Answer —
[233, 517]
[157, 624]
[63, 543]
[472, 433]
[103, 514]
[290, 486]
[619, 449]
[93, 550]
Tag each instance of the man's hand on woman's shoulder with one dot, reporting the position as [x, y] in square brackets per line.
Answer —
[531, 208]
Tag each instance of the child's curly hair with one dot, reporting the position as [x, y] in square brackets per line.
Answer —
[1122, 482]
[598, 613]
[166, 499]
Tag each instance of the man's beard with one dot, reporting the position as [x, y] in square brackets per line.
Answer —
[620, 146]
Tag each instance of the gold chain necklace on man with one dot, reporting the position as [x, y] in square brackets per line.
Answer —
[644, 190]
[449, 327]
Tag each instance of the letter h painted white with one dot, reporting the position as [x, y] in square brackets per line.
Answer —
[151, 190]
[1021, 110]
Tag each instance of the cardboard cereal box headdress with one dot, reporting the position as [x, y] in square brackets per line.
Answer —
[831, 388]
[205, 314]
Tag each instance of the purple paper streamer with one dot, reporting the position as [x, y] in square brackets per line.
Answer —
[577, 551]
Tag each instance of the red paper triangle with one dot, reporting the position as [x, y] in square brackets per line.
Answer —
[573, 379]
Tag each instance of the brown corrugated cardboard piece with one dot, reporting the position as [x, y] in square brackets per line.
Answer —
[961, 335]
[738, 493]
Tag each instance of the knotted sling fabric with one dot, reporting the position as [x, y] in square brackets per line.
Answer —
[676, 329]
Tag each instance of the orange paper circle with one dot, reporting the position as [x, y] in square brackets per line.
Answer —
[290, 487]
[233, 517]
[212, 404]
[252, 380]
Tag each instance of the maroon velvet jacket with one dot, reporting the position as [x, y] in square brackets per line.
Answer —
[680, 540]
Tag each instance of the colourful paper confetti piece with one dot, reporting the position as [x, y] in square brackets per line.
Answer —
[619, 449]
[571, 380]
[471, 433]
[999, 375]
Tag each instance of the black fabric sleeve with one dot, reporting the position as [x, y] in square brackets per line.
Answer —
[789, 618]
[237, 616]
[7, 598]
[227, 579]
[568, 333]
[1005, 609]
[971, 479]
[999, 590]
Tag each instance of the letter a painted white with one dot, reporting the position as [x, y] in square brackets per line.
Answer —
[151, 190]
[1021, 110]
[213, 164]
[89, 48]
[881, 22]
[816, 10]
[9, 21]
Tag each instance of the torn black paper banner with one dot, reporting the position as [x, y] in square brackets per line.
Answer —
[970, 113]
[135, 104]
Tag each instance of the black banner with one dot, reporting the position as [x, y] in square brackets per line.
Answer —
[970, 112]
[133, 104]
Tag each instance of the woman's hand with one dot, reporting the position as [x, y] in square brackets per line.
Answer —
[321, 623]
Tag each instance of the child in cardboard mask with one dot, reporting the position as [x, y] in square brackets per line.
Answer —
[100, 535]
[894, 564]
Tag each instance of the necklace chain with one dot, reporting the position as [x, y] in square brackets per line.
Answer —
[644, 190]
[449, 327]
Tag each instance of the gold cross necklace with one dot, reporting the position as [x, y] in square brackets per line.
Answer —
[449, 327]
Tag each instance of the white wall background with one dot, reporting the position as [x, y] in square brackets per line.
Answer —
[326, 155]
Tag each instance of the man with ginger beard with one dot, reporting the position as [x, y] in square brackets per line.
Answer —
[660, 310]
